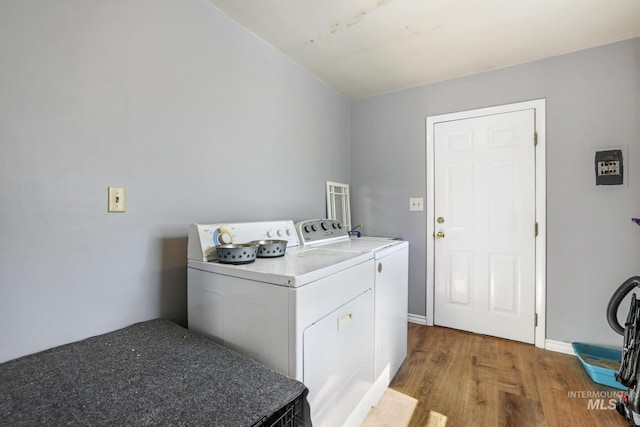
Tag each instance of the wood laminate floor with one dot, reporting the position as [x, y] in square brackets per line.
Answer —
[476, 380]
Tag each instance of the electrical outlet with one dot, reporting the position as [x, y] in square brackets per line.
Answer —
[117, 199]
[416, 204]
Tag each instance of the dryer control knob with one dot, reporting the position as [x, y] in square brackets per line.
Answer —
[224, 238]
[270, 233]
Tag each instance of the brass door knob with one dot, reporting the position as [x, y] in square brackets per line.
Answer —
[440, 235]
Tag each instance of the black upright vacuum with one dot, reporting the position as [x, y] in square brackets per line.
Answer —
[629, 373]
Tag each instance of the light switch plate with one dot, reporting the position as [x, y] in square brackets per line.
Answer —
[117, 199]
[416, 204]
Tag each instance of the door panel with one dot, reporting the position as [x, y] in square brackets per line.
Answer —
[460, 273]
[504, 279]
[502, 212]
[460, 178]
[484, 195]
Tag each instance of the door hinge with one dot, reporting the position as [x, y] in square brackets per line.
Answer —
[536, 229]
[535, 320]
[535, 139]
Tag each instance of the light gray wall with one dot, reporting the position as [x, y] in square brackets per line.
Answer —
[200, 120]
[592, 100]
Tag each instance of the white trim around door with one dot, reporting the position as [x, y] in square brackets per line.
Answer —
[540, 200]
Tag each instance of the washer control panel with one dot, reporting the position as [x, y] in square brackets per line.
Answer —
[320, 231]
[203, 238]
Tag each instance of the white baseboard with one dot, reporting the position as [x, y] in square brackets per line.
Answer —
[414, 318]
[552, 345]
[559, 346]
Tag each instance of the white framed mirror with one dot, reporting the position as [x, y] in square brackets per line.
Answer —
[338, 203]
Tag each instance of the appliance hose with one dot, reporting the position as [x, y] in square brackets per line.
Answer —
[628, 373]
[616, 299]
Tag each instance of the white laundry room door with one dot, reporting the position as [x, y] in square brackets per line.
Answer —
[485, 225]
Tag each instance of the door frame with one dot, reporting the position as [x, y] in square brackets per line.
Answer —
[540, 200]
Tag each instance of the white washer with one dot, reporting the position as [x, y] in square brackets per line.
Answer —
[307, 314]
[390, 292]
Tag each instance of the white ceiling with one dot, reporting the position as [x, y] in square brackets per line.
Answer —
[369, 47]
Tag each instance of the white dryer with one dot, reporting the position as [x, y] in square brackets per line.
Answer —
[307, 314]
[391, 272]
